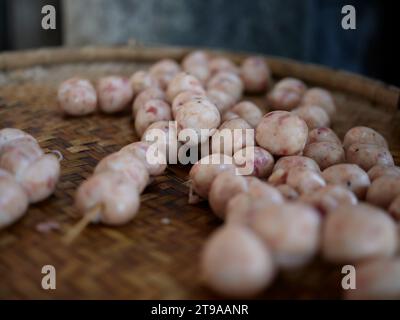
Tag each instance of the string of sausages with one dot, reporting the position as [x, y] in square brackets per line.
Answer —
[27, 175]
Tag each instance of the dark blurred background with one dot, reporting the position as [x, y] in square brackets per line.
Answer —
[308, 30]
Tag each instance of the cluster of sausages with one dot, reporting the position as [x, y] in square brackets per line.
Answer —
[27, 175]
[193, 94]
[78, 96]
[307, 193]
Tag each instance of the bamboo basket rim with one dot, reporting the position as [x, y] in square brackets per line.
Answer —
[379, 92]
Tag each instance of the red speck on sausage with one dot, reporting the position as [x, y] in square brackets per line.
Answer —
[152, 110]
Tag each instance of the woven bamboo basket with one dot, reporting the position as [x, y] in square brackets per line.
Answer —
[156, 256]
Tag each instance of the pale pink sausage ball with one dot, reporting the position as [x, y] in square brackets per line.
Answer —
[292, 84]
[146, 95]
[204, 171]
[164, 71]
[326, 154]
[8, 135]
[282, 133]
[368, 155]
[286, 95]
[183, 82]
[323, 134]
[152, 111]
[235, 263]
[255, 74]
[195, 57]
[284, 164]
[376, 279]
[383, 190]
[304, 180]
[13, 200]
[328, 198]
[163, 136]
[363, 135]
[201, 72]
[382, 170]
[237, 123]
[142, 80]
[22, 156]
[249, 112]
[258, 159]
[232, 135]
[183, 97]
[219, 64]
[127, 164]
[40, 178]
[114, 93]
[243, 206]
[261, 189]
[356, 232]
[225, 186]
[227, 82]
[291, 230]
[194, 116]
[114, 192]
[319, 97]
[143, 151]
[18, 156]
[196, 64]
[77, 97]
[350, 176]
[222, 100]
[314, 116]
[288, 162]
